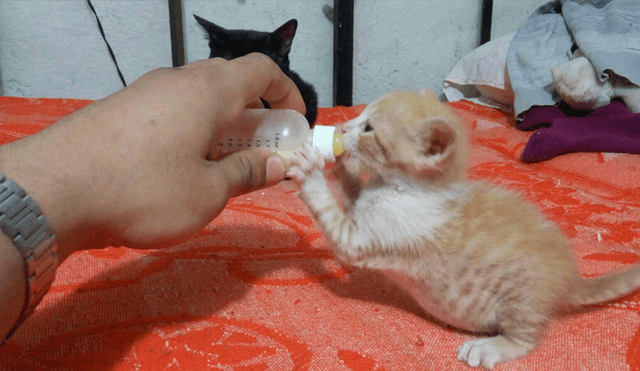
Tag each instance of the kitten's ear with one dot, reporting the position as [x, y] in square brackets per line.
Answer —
[284, 35]
[438, 140]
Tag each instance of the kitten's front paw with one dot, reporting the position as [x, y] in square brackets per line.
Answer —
[481, 352]
[307, 161]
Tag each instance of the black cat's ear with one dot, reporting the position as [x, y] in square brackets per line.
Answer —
[213, 30]
[203, 22]
[284, 35]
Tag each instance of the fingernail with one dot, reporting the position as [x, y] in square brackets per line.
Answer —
[276, 170]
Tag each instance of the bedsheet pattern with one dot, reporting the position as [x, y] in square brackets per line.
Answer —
[258, 288]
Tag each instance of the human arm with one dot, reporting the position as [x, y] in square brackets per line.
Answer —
[132, 169]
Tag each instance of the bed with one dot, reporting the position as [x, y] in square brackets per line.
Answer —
[259, 289]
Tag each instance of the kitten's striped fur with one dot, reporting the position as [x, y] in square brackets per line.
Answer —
[473, 255]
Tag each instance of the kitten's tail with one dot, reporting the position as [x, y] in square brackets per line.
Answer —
[607, 287]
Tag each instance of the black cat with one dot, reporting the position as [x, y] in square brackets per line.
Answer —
[230, 44]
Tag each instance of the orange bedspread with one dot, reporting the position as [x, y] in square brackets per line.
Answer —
[259, 289]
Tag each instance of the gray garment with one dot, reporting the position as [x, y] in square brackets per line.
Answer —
[606, 31]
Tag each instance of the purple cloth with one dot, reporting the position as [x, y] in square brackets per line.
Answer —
[612, 128]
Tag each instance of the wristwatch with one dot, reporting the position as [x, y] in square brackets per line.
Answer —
[22, 221]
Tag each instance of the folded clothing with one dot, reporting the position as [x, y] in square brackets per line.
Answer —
[561, 130]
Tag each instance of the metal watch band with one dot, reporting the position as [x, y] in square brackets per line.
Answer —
[22, 221]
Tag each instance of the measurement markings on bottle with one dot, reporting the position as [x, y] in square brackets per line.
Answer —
[240, 143]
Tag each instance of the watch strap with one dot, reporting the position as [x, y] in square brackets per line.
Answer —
[22, 220]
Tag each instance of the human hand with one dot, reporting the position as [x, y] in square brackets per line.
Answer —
[131, 169]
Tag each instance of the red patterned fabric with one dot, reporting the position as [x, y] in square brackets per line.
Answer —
[259, 289]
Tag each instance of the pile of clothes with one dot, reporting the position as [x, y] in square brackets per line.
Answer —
[590, 102]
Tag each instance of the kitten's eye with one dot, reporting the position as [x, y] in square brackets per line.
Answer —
[368, 127]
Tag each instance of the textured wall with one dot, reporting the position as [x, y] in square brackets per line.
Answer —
[52, 48]
[410, 43]
[510, 14]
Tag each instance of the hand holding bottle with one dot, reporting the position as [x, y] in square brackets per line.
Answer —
[131, 169]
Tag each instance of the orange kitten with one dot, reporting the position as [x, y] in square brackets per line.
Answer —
[473, 255]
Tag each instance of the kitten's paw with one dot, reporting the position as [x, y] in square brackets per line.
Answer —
[481, 352]
[307, 161]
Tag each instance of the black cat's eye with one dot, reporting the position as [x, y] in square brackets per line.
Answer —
[368, 128]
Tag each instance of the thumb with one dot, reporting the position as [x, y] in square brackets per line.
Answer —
[250, 170]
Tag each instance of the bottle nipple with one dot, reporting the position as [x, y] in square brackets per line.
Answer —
[328, 141]
[338, 148]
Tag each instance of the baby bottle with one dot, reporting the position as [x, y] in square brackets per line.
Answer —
[280, 130]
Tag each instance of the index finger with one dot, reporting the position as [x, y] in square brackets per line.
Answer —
[262, 78]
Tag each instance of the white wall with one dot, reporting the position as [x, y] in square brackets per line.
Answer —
[52, 48]
[410, 44]
[508, 15]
